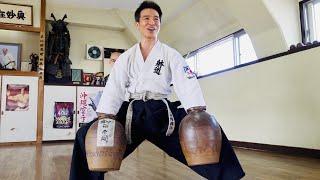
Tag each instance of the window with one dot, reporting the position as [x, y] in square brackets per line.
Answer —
[223, 54]
[216, 57]
[310, 20]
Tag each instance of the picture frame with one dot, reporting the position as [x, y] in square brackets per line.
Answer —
[109, 51]
[10, 56]
[87, 79]
[77, 76]
[16, 14]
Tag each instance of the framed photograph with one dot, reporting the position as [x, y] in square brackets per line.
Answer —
[76, 76]
[10, 56]
[16, 14]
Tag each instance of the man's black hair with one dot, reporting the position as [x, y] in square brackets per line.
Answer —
[147, 5]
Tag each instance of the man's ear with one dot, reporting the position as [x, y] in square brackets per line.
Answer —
[137, 24]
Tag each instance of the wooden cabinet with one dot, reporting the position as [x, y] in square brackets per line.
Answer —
[19, 107]
[53, 96]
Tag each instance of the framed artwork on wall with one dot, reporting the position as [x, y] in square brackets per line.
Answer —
[10, 56]
[16, 14]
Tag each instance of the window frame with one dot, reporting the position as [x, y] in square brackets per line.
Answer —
[305, 31]
[236, 52]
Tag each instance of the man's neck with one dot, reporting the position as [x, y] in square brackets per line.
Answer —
[146, 46]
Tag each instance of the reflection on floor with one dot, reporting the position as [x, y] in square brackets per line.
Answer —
[51, 161]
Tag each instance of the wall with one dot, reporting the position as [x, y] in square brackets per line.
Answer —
[286, 14]
[80, 36]
[83, 16]
[90, 26]
[274, 102]
[29, 41]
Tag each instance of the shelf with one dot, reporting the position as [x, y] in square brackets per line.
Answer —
[18, 73]
[20, 28]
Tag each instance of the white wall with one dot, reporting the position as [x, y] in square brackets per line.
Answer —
[90, 26]
[286, 14]
[29, 41]
[80, 36]
[88, 17]
[274, 102]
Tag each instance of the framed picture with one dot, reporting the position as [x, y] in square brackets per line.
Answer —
[16, 14]
[109, 51]
[10, 56]
[87, 78]
[76, 76]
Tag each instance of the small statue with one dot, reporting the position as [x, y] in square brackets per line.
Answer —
[34, 59]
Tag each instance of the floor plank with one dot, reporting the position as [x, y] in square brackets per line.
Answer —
[51, 161]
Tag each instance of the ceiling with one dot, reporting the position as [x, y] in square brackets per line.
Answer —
[100, 4]
[170, 8]
[190, 24]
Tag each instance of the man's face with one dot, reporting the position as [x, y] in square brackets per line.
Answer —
[149, 23]
[114, 56]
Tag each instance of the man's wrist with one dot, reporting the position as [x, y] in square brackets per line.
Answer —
[197, 109]
[104, 115]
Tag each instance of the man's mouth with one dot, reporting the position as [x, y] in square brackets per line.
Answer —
[151, 29]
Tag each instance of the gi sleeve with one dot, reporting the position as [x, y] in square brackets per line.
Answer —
[185, 83]
[114, 92]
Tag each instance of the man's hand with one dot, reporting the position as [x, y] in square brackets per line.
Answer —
[103, 115]
[197, 109]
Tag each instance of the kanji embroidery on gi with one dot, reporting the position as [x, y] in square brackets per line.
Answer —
[158, 66]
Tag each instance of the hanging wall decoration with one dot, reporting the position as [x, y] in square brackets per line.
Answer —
[16, 14]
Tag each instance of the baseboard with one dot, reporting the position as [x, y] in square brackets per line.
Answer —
[28, 143]
[296, 151]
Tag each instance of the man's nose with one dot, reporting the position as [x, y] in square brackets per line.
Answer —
[152, 22]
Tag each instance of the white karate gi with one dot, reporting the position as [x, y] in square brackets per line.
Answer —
[163, 66]
[8, 61]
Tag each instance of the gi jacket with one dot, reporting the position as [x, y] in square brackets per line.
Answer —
[163, 66]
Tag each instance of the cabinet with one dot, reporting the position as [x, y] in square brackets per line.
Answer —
[53, 96]
[19, 107]
[84, 100]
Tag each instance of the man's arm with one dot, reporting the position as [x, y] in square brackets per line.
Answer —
[114, 92]
[186, 84]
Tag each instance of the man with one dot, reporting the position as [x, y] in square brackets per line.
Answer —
[113, 57]
[8, 61]
[135, 95]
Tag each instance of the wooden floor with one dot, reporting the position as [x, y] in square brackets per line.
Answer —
[52, 162]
